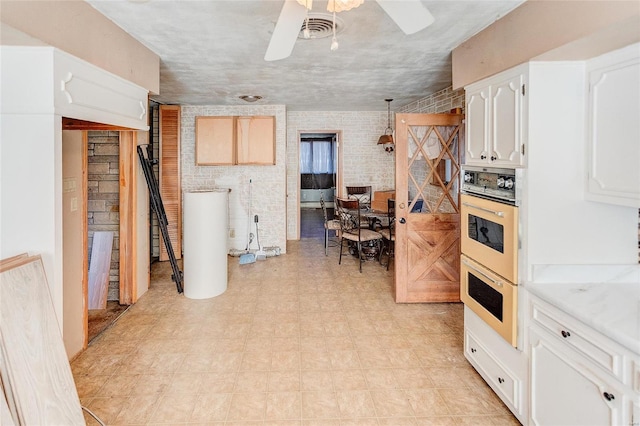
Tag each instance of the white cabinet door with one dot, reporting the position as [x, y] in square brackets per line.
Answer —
[495, 120]
[564, 391]
[477, 126]
[506, 137]
[614, 127]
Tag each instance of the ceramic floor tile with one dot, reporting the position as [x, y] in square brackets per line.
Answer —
[427, 402]
[316, 380]
[285, 380]
[355, 404]
[247, 406]
[283, 406]
[247, 381]
[320, 405]
[210, 407]
[391, 403]
[173, 409]
[348, 380]
[295, 340]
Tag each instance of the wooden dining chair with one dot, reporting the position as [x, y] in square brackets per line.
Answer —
[389, 234]
[350, 229]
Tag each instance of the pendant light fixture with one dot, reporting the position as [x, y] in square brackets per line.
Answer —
[387, 138]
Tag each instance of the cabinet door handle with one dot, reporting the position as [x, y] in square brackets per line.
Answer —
[565, 334]
[608, 396]
[493, 158]
[473, 350]
[472, 206]
[483, 157]
[500, 380]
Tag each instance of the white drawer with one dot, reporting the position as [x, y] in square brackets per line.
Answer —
[587, 342]
[500, 380]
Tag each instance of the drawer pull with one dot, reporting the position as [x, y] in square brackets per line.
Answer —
[473, 350]
[501, 380]
[565, 334]
[608, 396]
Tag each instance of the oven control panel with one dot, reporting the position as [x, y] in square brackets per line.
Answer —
[490, 182]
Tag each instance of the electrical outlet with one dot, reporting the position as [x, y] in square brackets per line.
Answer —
[232, 233]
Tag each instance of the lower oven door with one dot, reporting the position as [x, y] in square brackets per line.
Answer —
[493, 298]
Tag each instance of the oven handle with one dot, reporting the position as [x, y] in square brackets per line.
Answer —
[498, 283]
[500, 214]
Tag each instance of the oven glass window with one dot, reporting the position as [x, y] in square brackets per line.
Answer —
[485, 295]
[485, 232]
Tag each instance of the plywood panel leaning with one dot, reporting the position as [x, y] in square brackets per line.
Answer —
[36, 371]
[99, 269]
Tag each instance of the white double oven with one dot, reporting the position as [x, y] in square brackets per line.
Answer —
[489, 245]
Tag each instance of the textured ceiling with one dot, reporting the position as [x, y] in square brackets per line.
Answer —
[212, 52]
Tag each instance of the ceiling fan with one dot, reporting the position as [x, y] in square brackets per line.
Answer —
[410, 15]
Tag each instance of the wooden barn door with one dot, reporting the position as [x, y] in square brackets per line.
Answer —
[427, 263]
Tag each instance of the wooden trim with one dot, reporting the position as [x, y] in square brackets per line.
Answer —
[85, 238]
[128, 255]
[75, 124]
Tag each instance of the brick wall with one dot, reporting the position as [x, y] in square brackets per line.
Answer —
[268, 197]
[443, 101]
[104, 197]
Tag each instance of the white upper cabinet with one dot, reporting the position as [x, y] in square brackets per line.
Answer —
[496, 117]
[613, 134]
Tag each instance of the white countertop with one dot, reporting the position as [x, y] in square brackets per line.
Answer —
[604, 297]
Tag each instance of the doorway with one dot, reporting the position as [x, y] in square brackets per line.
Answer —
[107, 195]
[319, 178]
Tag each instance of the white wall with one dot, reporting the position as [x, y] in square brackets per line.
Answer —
[31, 193]
[365, 163]
[32, 106]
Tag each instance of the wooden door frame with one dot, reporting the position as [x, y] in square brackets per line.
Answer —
[339, 173]
[128, 223]
[128, 193]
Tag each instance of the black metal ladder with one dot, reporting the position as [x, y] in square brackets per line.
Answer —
[158, 208]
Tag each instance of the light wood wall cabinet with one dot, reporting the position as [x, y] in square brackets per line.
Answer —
[235, 140]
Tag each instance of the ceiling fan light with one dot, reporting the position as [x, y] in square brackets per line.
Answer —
[306, 3]
[334, 44]
[343, 5]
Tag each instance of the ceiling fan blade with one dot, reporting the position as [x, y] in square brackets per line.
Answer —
[286, 31]
[410, 15]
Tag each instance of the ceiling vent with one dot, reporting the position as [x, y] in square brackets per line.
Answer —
[320, 26]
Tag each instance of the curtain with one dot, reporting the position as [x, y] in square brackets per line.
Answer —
[317, 157]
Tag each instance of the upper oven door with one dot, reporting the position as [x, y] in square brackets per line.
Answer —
[490, 235]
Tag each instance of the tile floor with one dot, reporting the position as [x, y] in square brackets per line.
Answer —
[295, 340]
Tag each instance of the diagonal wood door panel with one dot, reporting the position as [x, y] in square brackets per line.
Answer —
[433, 266]
[427, 240]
